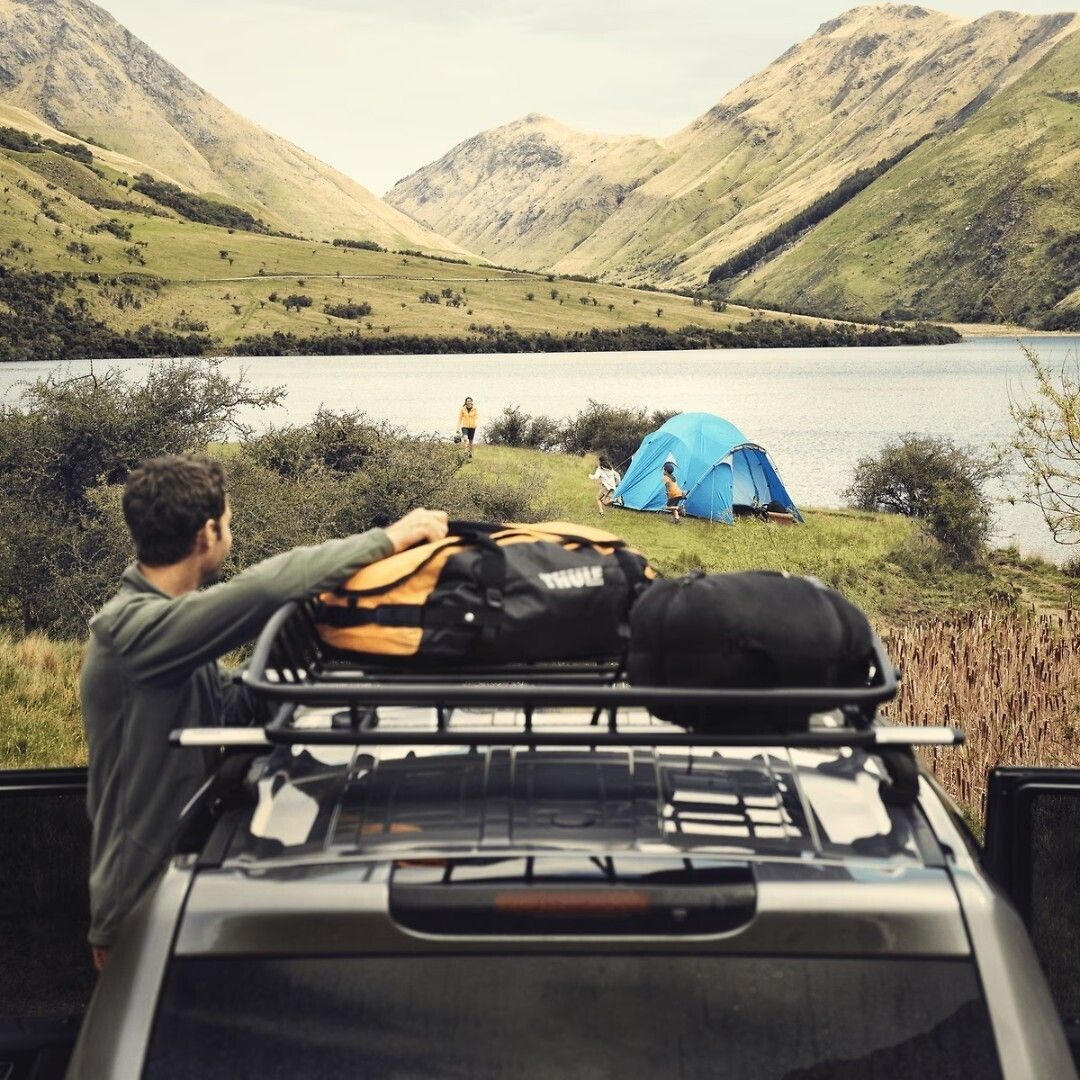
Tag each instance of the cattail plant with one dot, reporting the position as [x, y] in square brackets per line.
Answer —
[1010, 678]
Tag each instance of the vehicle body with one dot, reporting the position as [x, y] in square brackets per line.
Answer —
[484, 890]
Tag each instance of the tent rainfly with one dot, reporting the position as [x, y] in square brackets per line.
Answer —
[721, 472]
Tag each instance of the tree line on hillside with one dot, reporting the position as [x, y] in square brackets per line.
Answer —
[197, 207]
[812, 215]
[38, 323]
[40, 319]
[24, 143]
[763, 334]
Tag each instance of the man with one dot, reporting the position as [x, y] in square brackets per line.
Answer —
[151, 664]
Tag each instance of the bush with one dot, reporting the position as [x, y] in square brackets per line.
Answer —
[610, 430]
[936, 481]
[64, 450]
[512, 427]
[614, 430]
[348, 311]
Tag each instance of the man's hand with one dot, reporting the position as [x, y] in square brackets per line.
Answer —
[418, 527]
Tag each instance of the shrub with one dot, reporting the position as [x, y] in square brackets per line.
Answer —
[936, 481]
[513, 427]
[64, 450]
[348, 311]
[616, 430]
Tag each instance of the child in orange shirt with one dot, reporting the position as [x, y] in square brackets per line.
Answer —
[675, 494]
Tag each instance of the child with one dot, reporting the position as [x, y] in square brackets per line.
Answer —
[675, 494]
[609, 480]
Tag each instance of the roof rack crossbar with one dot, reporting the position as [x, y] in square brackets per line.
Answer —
[645, 737]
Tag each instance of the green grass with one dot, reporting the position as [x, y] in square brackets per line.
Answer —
[40, 723]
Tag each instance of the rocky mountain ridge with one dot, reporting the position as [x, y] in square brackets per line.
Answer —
[73, 65]
[866, 86]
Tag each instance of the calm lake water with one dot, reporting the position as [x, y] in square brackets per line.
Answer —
[815, 410]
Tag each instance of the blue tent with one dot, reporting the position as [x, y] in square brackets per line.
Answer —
[715, 464]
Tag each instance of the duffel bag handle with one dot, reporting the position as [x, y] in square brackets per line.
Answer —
[468, 529]
[474, 528]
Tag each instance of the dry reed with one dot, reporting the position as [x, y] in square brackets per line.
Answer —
[1009, 677]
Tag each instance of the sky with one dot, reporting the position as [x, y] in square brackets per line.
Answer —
[380, 88]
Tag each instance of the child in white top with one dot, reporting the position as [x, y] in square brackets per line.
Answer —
[609, 479]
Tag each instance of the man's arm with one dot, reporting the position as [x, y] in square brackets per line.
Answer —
[163, 640]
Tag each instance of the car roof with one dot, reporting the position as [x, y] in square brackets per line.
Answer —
[319, 803]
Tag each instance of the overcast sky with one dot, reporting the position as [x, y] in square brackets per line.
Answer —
[380, 88]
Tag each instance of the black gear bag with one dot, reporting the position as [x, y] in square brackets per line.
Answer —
[753, 630]
[491, 594]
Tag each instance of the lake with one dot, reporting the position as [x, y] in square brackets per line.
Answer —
[815, 410]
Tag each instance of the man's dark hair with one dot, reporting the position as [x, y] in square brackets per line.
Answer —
[167, 500]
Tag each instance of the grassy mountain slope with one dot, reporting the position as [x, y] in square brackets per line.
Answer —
[527, 193]
[135, 263]
[867, 86]
[864, 87]
[73, 65]
[980, 223]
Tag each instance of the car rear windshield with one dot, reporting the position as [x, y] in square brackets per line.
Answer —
[533, 1016]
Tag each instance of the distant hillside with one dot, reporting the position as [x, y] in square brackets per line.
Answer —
[980, 223]
[74, 66]
[868, 87]
[528, 193]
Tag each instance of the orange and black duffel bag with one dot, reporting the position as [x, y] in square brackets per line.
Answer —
[491, 594]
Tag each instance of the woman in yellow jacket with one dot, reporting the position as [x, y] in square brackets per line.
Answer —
[466, 422]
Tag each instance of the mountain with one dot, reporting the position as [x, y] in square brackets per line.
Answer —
[866, 86]
[982, 223]
[72, 65]
[528, 192]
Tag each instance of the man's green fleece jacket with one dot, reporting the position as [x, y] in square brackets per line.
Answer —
[151, 667]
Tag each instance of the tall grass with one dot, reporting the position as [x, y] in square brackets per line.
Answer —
[40, 722]
[1010, 679]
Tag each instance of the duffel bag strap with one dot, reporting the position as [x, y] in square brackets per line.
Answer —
[492, 580]
[633, 570]
[413, 616]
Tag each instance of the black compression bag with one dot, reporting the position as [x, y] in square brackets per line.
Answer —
[755, 630]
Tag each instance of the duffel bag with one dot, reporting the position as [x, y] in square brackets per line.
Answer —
[753, 630]
[491, 594]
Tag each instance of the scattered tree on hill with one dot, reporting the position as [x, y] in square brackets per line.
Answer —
[297, 301]
[349, 311]
[1048, 441]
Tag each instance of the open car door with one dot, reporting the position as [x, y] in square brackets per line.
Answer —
[1033, 853]
[46, 974]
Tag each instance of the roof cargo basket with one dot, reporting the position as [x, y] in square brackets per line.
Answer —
[292, 672]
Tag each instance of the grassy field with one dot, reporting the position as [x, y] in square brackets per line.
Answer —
[993, 648]
[176, 273]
